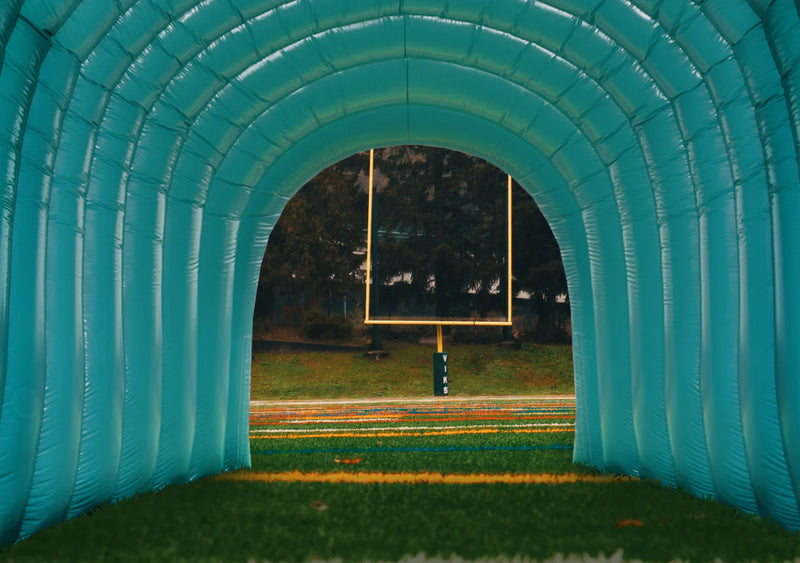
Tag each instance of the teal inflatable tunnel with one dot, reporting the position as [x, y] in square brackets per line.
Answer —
[147, 148]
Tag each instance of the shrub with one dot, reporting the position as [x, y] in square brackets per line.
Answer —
[292, 315]
[261, 326]
[477, 334]
[317, 324]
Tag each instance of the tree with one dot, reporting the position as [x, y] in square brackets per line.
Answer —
[441, 219]
[312, 248]
[442, 214]
[538, 269]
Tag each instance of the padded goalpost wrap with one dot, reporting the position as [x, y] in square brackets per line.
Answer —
[147, 148]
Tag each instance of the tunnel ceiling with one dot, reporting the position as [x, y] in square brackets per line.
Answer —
[148, 147]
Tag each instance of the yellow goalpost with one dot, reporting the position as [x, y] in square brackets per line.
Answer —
[438, 323]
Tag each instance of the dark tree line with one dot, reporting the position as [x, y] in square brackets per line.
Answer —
[453, 244]
[441, 230]
[313, 248]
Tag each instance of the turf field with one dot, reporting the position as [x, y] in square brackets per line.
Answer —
[388, 479]
[475, 370]
[445, 435]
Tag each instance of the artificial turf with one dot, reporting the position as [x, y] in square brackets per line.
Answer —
[502, 453]
[219, 520]
[231, 521]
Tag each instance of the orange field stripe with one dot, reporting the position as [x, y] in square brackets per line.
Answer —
[460, 412]
[400, 434]
[414, 412]
[344, 420]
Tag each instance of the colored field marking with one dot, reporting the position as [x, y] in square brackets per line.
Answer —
[461, 418]
[392, 434]
[465, 410]
[415, 449]
[400, 428]
[409, 478]
[418, 409]
[410, 418]
[265, 418]
[290, 415]
[415, 400]
[450, 407]
[443, 405]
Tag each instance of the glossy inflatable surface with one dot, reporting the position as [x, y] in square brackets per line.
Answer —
[147, 148]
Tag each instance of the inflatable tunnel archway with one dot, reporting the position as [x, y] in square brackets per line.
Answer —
[147, 148]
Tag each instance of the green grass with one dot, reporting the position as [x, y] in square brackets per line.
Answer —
[241, 521]
[407, 372]
[490, 461]
[213, 520]
[233, 521]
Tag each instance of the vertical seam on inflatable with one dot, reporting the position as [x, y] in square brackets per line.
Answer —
[652, 78]
[39, 58]
[58, 130]
[792, 109]
[730, 153]
[5, 282]
[765, 142]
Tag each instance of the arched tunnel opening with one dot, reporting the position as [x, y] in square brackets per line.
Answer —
[432, 202]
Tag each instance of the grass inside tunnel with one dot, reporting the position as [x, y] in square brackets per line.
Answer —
[223, 520]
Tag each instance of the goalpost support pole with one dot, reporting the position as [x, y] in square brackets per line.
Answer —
[440, 385]
[440, 374]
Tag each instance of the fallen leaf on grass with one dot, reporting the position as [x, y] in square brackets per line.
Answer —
[629, 522]
[350, 460]
[319, 505]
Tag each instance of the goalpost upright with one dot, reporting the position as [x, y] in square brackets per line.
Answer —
[440, 357]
